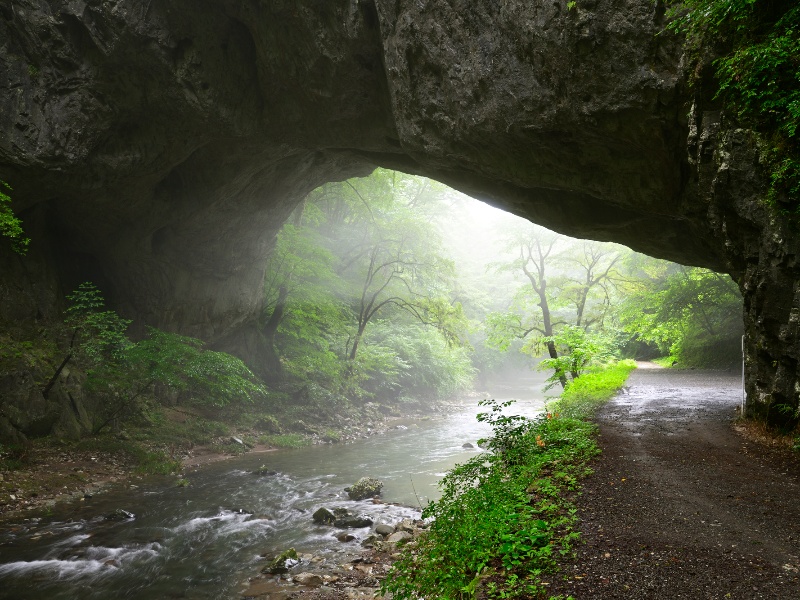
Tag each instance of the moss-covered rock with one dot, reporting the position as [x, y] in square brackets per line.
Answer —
[282, 563]
[366, 487]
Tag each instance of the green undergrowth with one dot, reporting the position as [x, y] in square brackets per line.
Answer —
[757, 76]
[665, 361]
[507, 516]
[585, 394]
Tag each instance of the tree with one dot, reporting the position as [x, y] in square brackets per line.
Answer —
[578, 348]
[363, 253]
[594, 279]
[534, 246]
[562, 308]
[299, 274]
[10, 224]
[394, 260]
[95, 335]
[122, 373]
[177, 363]
[691, 313]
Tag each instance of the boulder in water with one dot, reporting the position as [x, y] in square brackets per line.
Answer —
[384, 529]
[467, 445]
[308, 579]
[264, 471]
[353, 522]
[120, 515]
[366, 487]
[282, 563]
[323, 516]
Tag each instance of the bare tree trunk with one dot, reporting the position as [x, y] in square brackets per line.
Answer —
[272, 361]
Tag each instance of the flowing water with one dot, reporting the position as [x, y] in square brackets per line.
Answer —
[202, 541]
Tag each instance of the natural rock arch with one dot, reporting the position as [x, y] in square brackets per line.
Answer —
[157, 147]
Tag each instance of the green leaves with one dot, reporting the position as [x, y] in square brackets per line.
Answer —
[502, 516]
[758, 74]
[363, 259]
[99, 335]
[692, 313]
[10, 225]
[123, 373]
[578, 349]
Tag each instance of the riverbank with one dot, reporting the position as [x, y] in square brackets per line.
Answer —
[49, 471]
[505, 516]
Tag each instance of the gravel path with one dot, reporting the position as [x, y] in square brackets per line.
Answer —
[680, 504]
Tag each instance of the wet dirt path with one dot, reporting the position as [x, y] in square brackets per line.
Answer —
[680, 504]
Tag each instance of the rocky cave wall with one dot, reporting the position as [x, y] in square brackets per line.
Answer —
[156, 147]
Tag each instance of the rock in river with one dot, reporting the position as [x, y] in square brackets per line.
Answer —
[308, 579]
[345, 519]
[324, 516]
[282, 563]
[366, 487]
[120, 515]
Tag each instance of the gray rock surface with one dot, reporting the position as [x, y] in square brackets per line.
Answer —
[384, 529]
[399, 536]
[323, 516]
[308, 579]
[156, 148]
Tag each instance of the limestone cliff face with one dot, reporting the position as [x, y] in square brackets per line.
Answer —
[156, 147]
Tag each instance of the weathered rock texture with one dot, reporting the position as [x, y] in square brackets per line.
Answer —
[156, 147]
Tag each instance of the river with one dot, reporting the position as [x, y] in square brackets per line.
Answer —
[202, 541]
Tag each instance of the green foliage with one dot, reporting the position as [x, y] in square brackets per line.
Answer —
[578, 349]
[582, 396]
[181, 363]
[122, 374]
[503, 517]
[758, 74]
[10, 224]
[506, 515]
[362, 258]
[562, 309]
[98, 334]
[693, 314]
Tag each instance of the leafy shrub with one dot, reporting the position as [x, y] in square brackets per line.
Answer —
[582, 396]
[503, 517]
[10, 224]
[758, 75]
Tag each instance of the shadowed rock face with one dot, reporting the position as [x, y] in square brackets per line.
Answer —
[157, 147]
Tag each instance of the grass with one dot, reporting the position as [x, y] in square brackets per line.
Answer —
[584, 395]
[507, 516]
